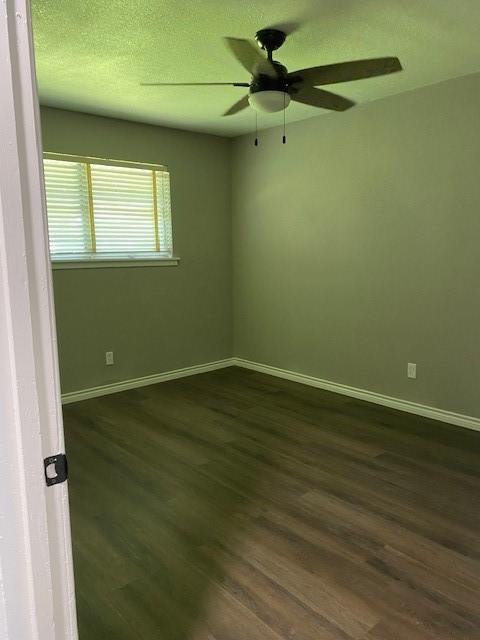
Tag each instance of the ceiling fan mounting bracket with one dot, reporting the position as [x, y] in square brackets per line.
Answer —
[270, 40]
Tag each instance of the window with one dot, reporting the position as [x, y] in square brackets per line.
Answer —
[106, 210]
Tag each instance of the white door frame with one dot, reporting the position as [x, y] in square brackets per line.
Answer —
[37, 598]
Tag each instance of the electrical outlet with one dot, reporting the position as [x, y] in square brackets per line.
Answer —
[411, 370]
[109, 358]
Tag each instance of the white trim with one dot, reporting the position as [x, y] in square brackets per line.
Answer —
[145, 381]
[68, 157]
[37, 597]
[458, 419]
[115, 263]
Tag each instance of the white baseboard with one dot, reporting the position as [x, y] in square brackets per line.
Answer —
[135, 383]
[458, 419]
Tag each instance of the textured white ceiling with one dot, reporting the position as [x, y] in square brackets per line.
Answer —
[92, 54]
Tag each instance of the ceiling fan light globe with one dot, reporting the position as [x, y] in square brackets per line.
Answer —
[269, 101]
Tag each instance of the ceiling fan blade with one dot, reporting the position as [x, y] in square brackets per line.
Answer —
[346, 71]
[322, 98]
[194, 84]
[249, 56]
[238, 106]
[288, 27]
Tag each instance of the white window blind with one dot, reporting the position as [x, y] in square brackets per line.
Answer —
[67, 204]
[102, 209]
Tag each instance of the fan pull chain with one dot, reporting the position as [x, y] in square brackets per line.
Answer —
[256, 128]
[284, 125]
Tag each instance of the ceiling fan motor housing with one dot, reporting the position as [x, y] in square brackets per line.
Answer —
[262, 82]
[275, 89]
[269, 93]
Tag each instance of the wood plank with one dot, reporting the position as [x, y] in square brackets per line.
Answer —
[237, 506]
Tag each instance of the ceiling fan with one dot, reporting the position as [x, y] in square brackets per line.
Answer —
[272, 87]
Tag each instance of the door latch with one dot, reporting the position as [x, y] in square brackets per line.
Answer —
[56, 469]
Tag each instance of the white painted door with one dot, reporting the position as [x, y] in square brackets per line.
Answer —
[37, 598]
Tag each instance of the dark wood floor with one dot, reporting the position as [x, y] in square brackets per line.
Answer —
[236, 506]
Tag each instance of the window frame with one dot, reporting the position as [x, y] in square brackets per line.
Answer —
[120, 259]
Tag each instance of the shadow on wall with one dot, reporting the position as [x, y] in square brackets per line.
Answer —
[163, 482]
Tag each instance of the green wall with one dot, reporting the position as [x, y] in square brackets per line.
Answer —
[357, 246]
[355, 251]
[155, 318]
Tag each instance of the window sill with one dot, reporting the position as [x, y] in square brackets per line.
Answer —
[113, 262]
